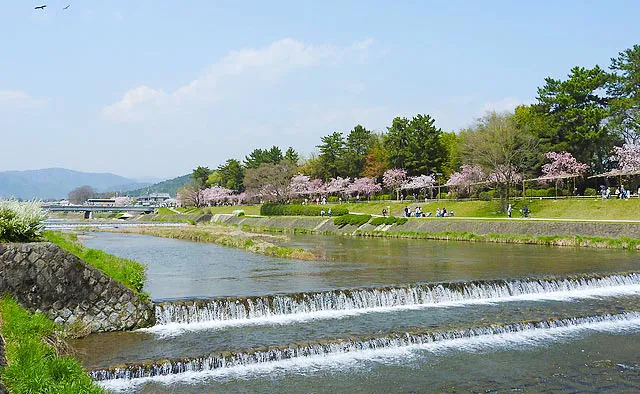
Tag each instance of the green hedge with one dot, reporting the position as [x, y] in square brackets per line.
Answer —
[389, 220]
[270, 209]
[351, 219]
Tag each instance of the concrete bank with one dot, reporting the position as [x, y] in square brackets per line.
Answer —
[45, 278]
[443, 225]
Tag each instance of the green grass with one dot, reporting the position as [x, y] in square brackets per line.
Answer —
[128, 272]
[351, 219]
[575, 208]
[548, 240]
[33, 365]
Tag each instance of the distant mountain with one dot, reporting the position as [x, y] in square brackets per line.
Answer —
[56, 183]
[169, 186]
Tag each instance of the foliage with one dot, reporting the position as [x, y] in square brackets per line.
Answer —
[500, 149]
[269, 209]
[331, 155]
[388, 220]
[33, 366]
[81, 194]
[377, 160]
[270, 181]
[352, 220]
[216, 195]
[577, 111]
[291, 155]
[128, 272]
[338, 185]
[624, 89]
[416, 145]
[421, 183]
[229, 175]
[21, 221]
[358, 144]
[200, 176]
[258, 157]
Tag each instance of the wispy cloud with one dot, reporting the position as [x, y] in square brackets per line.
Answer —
[237, 70]
[17, 99]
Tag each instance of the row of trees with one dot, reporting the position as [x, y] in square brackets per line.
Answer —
[587, 123]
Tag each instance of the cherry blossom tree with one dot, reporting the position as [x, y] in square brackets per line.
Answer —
[337, 185]
[627, 156]
[300, 185]
[190, 195]
[420, 182]
[366, 186]
[216, 195]
[462, 182]
[563, 163]
[393, 179]
[123, 201]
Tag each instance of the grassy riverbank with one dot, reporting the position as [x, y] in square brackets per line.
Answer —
[36, 357]
[226, 236]
[128, 272]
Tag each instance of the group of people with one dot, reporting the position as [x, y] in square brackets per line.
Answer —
[620, 192]
[330, 213]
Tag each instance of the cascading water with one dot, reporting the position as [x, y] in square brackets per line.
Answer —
[239, 309]
[525, 331]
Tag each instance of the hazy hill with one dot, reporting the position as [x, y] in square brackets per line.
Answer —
[56, 183]
[169, 186]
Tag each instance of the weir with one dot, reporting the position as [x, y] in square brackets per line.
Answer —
[365, 299]
[514, 333]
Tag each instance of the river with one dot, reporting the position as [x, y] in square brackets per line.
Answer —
[376, 315]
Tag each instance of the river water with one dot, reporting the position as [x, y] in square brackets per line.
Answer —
[376, 315]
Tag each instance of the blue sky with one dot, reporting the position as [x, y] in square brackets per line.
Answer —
[155, 88]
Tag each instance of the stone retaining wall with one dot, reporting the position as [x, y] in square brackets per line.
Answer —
[47, 279]
[438, 225]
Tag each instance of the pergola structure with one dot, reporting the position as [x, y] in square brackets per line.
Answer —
[555, 178]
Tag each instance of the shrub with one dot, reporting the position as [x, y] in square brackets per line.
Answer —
[333, 199]
[21, 221]
[380, 197]
[590, 191]
[351, 219]
[389, 220]
[269, 209]
[485, 196]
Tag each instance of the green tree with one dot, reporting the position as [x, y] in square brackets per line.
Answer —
[200, 176]
[416, 145]
[292, 155]
[358, 144]
[452, 144]
[500, 148]
[624, 89]
[331, 155]
[577, 110]
[273, 155]
[377, 160]
[230, 175]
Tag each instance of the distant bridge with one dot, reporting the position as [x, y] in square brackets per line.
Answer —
[88, 209]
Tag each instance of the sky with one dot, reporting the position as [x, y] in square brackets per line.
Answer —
[155, 88]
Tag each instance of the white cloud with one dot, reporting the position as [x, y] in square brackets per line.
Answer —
[506, 104]
[17, 99]
[235, 71]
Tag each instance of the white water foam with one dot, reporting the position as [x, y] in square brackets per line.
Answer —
[176, 329]
[516, 340]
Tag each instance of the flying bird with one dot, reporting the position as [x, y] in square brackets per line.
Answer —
[67, 7]
[40, 7]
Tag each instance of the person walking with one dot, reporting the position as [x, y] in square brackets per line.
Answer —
[509, 210]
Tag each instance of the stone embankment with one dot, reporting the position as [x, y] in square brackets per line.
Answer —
[442, 225]
[45, 278]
